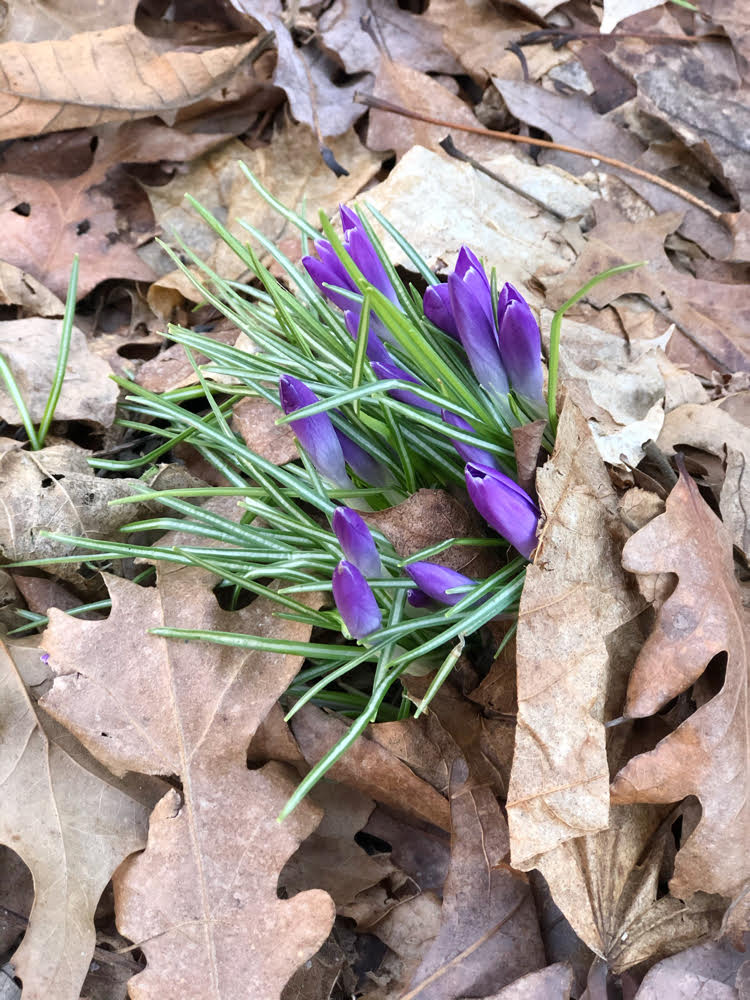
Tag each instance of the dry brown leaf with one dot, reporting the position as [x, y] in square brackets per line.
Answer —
[330, 858]
[428, 517]
[570, 672]
[479, 34]
[105, 76]
[489, 934]
[714, 314]
[711, 123]
[55, 490]
[707, 754]
[31, 347]
[18, 288]
[571, 119]
[69, 821]
[37, 21]
[617, 10]
[709, 971]
[408, 930]
[290, 167]
[202, 898]
[403, 85]
[255, 420]
[421, 850]
[553, 983]
[368, 767]
[349, 29]
[713, 430]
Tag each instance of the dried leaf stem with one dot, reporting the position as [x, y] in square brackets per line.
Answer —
[376, 102]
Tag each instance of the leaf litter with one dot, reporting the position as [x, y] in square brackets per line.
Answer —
[618, 762]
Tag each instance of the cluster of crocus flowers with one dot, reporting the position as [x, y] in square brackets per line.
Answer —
[501, 338]
[499, 333]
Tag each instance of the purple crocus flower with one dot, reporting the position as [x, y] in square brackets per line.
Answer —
[520, 343]
[468, 452]
[437, 309]
[362, 464]
[417, 598]
[356, 541]
[390, 370]
[329, 273]
[474, 315]
[504, 506]
[355, 600]
[316, 434]
[434, 580]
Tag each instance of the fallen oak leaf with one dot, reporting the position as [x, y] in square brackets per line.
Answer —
[202, 899]
[707, 754]
[490, 932]
[70, 822]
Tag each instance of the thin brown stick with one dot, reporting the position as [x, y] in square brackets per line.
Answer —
[381, 105]
[571, 35]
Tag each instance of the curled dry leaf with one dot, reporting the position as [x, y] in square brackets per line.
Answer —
[489, 933]
[707, 755]
[71, 823]
[202, 899]
[31, 346]
[575, 597]
[100, 76]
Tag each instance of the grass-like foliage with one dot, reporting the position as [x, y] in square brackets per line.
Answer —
[387, 394]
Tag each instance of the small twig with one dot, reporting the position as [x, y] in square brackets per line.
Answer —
[565, 35]
[376, 102]
[452, 150]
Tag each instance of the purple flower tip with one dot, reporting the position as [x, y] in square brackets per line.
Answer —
[520, 343]
[316, 433]
[356, 541]
[355, 601]
[435, 580]
[504, 506]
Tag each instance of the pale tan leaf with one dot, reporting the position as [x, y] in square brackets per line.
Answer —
[17, 288]
[104, 76]
[707, 755]
[553, 983]
[575, 597]
[202, 898]
[37, 21]
[617, 10]
[72, 825]
[31, 347]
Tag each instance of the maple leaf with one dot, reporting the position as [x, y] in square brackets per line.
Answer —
[202, 899]
[70, 822]
[707, 754]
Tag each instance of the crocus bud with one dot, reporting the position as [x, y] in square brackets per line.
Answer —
[389, 370]
[504, 506]
[468, 452]
[520, 343]
[355, 601]
[437, 309]
[316, 434]
[434, 580]
[375, 348]
[473, 310]
[417, 598]
[329, 273]
[356, 541]
[362, 464]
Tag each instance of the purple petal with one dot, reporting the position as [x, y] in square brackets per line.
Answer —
[468, 452]
[375, 348]
[349, 219]
[355, 601]
[520, 343]
[365, 256]
[362, 464]
[390, 370]
[327, 271]
[466, 260]
[316, 434]
[434, 580]
[504, 506]
[476, 329]
[418, 599]
[356, 541]
[438, 310]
